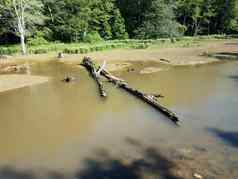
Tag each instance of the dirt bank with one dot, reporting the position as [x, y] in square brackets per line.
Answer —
[176, 56]
[10, 82]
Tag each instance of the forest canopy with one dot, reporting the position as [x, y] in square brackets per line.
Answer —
[94, 20]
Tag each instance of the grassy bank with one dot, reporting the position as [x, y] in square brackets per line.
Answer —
[84, 48]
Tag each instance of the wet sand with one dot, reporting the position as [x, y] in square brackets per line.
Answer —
[176, 56]
[10, 82]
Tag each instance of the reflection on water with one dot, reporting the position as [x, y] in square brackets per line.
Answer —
[58, 126]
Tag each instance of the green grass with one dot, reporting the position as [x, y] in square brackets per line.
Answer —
[84, 48]
[73, 48]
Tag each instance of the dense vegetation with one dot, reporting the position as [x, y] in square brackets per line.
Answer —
[94, 20]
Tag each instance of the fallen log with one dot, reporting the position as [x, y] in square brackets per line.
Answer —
[149, 99]
[90, 66]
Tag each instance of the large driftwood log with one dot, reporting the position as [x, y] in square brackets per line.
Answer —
[149, 99]
[90, 66]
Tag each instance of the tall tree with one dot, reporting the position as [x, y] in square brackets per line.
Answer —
[233, 25]
[118, 25]
[226, 12]
[24, 16]
[72, 20]
[207, 14]
[133, 12]
[189, 13]
[159, 21]
[68, 19]
[107, 20]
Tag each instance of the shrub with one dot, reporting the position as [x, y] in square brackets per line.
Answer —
[37, 39]
[40, 51]
[9, 50]
[92, 37]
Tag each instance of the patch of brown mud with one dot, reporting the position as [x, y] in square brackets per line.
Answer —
[118, 66]
[150, 70]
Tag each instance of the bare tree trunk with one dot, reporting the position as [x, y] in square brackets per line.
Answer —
[196, 27]
[19, 11]
[23, 45]
[208, 28]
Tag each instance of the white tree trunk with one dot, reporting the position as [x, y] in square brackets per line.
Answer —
[19, 11]
[23, 45]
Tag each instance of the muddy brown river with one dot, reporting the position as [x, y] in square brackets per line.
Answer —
[58, 129]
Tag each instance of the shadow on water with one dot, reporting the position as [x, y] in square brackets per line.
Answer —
[234, 77]
[10, 173]
[147, 163]
[228, 137]
[152, 163]
[226, 55]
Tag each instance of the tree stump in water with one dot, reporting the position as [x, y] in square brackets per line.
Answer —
[60, 55]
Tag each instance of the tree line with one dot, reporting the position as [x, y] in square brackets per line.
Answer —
[87, 20]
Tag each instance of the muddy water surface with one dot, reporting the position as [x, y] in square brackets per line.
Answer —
[59, 127]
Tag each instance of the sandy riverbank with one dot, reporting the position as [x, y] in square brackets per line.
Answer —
[176, 56]
[10, 82]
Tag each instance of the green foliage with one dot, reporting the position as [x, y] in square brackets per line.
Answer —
[9, 50]
[83, 48]
[68, 20]
[159, 21]
[118, 26]
[71, 21]
[33, 16]
[207, 16]
[77, 20]
[37, 39]
[133, 12]
[92, 37]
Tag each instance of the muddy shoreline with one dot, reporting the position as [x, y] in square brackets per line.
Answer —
[143, 61]
[206, 52]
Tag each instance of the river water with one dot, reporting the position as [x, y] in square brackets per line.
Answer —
[63, 127]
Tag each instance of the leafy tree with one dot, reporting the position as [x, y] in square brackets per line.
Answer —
[226, 14]
[159, 21]
[107, 20]
[118, 25]
[72, 20]
[207, 16]
[23, 17]
[100, 16]
[190, 14]
[133, 12]
[68, 19]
